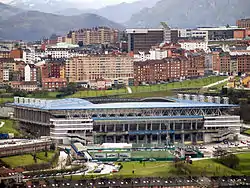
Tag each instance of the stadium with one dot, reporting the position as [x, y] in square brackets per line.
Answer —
[186, 119]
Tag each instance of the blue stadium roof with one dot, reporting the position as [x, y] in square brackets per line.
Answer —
[81, 104]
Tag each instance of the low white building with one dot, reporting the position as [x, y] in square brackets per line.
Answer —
[194, 45]
[154, 54]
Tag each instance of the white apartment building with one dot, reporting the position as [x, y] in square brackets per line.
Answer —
[194, 45]
[30, 73]
[61, 50]
[154, 54]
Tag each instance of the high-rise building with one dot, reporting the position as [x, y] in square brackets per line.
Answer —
[118, 68]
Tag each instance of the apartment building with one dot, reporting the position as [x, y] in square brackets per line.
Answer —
[4, 53]
[243, 23]
[97, 35]
[53, 83]
[175, 68]
[231, 62]
[243, 62]
[30, 72]
[157, 52]
[118, 68]
[53, 68]
[194, 44]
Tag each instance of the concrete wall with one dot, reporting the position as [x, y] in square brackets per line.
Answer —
[6, 111]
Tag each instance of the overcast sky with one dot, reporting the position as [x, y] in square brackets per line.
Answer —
[89, 3]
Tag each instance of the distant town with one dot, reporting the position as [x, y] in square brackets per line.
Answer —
[101, 107]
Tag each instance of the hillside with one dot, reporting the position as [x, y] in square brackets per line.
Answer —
[33, 25]
[191, 13]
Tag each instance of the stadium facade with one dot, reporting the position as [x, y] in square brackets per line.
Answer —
[186, 119]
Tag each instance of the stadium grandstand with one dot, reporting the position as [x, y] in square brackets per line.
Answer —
[186, 119]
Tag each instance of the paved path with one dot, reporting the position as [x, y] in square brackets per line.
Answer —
[2, 124]
[129, 90]
[216, 83]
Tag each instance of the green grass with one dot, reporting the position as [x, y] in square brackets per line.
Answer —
[27, 159]
[196, 83]
[9, 127]
[247, 132]
[6, 100]
[20, 160]
[211, 168]
[41, 156]
[150, 91]
[167, 169]
[244, 166]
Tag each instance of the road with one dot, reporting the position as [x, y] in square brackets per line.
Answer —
[2, 124]
[216, 83]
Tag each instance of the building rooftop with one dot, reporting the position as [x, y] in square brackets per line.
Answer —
[81, 104]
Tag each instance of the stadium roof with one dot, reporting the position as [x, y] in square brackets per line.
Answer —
[81, 104]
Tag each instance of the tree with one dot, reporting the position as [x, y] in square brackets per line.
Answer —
[53, 147]
[34, 158]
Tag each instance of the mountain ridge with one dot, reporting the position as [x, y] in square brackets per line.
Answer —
[191, 13]
[34, 25]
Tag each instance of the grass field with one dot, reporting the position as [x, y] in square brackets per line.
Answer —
[151, 154]
[20, 160]
[41, 156]
[167, 169]
[6, 100]
[152, 90]
[9, 127]
[244, 166]
[25, 160]
[247, 132]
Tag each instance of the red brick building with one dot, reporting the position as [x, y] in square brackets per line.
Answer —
[16, 54]
[53, 83]
[225, 62]
[243, 23]
[240, 34]
[243, 62]
[53, 69]
[155, 71]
